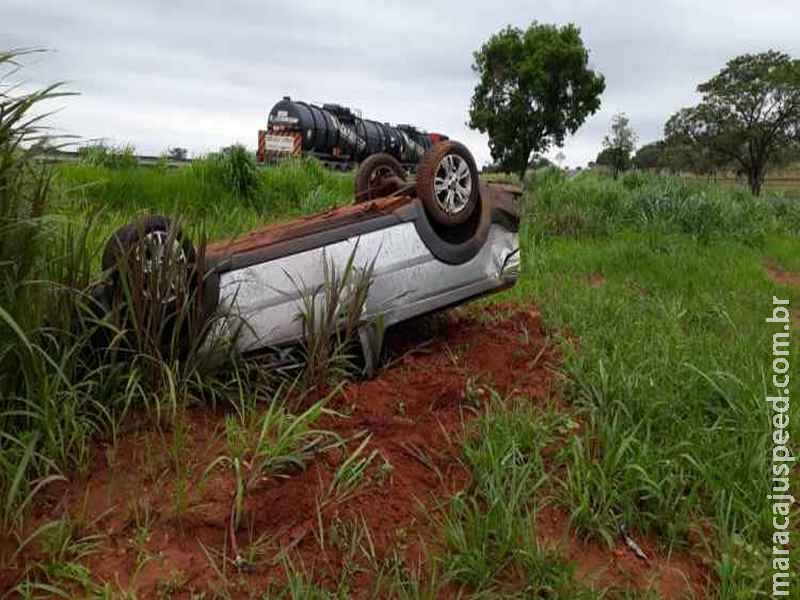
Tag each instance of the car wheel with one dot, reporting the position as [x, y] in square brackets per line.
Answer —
[447, 183]
[154, 282]
[377, 177]
[149, 243]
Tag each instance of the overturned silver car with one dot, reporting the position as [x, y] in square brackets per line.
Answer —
[429, 243]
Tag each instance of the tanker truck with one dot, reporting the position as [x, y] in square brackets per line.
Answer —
[337, 136]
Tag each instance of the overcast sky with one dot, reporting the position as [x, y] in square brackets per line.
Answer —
[204, 74]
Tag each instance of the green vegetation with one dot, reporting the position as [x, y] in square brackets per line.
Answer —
[208, 195]
[594, 206]
[746, 123]
[110, 157]
[490, 533]
[36, 440]
[535, 87]
[649, 156]
[618, 145]
[61, 390]
[668, 359]
[659, 429]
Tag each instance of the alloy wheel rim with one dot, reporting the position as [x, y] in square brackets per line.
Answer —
[161, 256]
[452, 184]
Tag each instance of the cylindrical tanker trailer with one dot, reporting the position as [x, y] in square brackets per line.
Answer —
[337, 136]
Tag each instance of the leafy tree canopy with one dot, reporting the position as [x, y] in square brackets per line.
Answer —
[682, 153]
[619, 143]
[605, 158]
[534, 88]
[749, 115]
[539, 162]
[650, 156]
[177, 153]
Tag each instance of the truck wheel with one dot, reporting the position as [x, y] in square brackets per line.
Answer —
[378, 177]
[154, 281]
[447, 183]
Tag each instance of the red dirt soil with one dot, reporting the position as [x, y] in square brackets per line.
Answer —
[595, 280]
[414, 410]
[781, 276]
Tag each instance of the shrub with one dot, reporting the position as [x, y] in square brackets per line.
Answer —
[633, 180]
[240, 172]
[111, 157]
[592, 205]
[232, 169]
[787, 212]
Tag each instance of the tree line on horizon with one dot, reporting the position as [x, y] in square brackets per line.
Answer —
[535, 87]
[747, 122]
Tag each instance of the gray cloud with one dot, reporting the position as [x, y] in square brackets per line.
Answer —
[203, 74]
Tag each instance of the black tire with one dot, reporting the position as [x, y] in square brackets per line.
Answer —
[140, 245]
[95, 307]
[447, 183]
[377, 176]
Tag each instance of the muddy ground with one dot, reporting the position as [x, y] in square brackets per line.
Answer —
[414, 410]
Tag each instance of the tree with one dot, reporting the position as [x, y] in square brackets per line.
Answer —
[534, 88]
[539, 162]
[177, 153]
[682, 153]
[560, 158]
[749, 115]
[678, 156]
[620, 143]
[650, 156]
[605, 158]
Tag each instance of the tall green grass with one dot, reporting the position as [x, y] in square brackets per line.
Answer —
[222, 196]
[112, 157]
[59, 387]
[668, 360]
[594, 206]
[489, 532]
[28, 352]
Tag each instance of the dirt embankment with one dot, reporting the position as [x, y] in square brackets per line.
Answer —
[164, 533]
